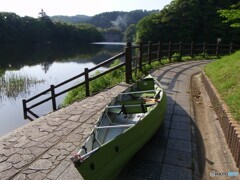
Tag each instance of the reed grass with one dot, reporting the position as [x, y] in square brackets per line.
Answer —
[13, 84]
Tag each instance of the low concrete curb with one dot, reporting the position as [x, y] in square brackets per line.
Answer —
[230, 127]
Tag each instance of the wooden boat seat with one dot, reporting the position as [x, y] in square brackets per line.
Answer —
[130, 107]
[143, 94]
[137, 102]
[146, 84]
[132, 102]
[137, 108]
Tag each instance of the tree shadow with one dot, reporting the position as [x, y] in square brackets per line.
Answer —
[177, 150]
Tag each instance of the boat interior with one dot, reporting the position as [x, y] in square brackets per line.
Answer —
[124, 111]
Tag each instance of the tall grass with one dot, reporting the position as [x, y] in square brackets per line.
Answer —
[13, 84]
[224, 74]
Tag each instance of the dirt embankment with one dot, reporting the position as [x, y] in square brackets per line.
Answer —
[214, 155]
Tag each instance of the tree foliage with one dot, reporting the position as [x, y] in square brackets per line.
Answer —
[231, 15]
[16, 29]
[118, 19]
[187, 20]
[129, 34]
[70, 19]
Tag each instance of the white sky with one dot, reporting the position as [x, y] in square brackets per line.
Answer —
[75, 7]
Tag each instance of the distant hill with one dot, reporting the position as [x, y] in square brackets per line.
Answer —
[118, 19]
[112, 25]
[70, 19]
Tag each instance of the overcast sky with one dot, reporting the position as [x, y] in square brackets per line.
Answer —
[75, 7]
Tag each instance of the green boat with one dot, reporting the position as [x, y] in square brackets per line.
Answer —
[125, 125]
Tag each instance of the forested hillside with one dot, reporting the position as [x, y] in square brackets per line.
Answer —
[112, 24]
[70, 19]
[105, 20]
[16, 29]
[188, 20]
[181, 20]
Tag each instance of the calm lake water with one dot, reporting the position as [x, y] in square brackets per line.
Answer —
[42, 66]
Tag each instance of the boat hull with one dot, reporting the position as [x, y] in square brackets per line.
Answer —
[111, 158]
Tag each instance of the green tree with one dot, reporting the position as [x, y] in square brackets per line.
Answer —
[187, 20]
[174, 22]
[16, 29]
[129, 34]
[231, 15]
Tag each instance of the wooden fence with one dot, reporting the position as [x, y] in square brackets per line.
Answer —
[143, 54]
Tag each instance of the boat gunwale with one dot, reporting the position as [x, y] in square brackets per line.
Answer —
[159, 90]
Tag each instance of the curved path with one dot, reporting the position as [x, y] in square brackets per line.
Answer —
[170, 154]
[41, 149]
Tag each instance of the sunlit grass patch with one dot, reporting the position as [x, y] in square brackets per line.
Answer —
[225, 75]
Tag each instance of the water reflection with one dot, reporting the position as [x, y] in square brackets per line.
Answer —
[35, 68]
[17, 56]
[14, 84]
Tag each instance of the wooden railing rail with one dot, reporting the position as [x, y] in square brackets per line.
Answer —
[52, 89]
[144, 54]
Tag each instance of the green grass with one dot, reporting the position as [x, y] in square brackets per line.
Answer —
[107, 80]
[225, 75]
[118, 76]
[97, 85]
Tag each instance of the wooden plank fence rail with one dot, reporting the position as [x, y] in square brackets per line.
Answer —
[135, 57]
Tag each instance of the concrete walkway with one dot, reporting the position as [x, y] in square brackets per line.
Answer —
[41, 149]
[170, 154]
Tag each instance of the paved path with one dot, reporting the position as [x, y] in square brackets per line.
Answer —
[170, 154]
[41, 149]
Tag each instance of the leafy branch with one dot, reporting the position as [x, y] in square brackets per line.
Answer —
[231, 15]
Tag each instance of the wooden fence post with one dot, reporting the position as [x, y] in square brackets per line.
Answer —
[87, 91]
[140, 55]
[204, 49]
[180, 50]
[192, 46]
[159, 51]
[54, 105]
[24, 108]
[170, 51]
[128, 62]
[217, 49]
[230, 48]
[149, 52]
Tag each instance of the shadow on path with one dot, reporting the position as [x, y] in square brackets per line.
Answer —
[172, 152]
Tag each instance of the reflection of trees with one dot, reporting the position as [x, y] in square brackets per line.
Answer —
[45, 66]
[18, 56]
[2, 71]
